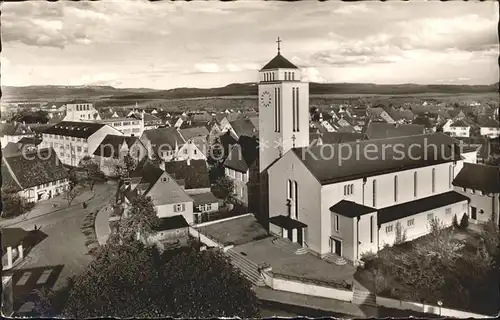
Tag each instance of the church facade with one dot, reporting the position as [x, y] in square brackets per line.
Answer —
[352, 198]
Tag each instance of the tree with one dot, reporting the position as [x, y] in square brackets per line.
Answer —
[28, 116]
[125, 167]
[135, 280]
[454, 222]
[92, 170]
[13, 204]
[141, 219]
[224, 187]
[464, 222]
[70, 194]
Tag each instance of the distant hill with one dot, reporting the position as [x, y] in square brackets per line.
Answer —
[62, 93]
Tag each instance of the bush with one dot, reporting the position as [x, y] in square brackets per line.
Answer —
[464, 222]
[454, 222]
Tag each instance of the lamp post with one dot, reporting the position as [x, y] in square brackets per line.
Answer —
[440, 304]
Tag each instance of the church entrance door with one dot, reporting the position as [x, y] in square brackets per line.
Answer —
[290, 234]
[336, 246]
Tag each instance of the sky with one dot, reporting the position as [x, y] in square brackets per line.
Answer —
[163, 45]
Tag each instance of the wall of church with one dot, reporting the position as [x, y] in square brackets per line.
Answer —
[330, 195]
[309, 190]
[267, 134]
[487, 206]
[368, 242]
[346, 232]
[302, 135]
[418, 225]
[385, 186]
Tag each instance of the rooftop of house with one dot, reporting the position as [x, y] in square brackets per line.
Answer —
[243, 154]
[479, 177]
[11, 149]
[382, 130]
[195, 174]
[423, 121]
[351, 209]
[148, 173]
[14, 129]
[204, 198]
[279, 62]
[460, 123]
[338, 137]
[489, 123]
[12, 237]
[30, 140]
[164, 136]
[171, 223]
[360, 159]
[190, 133]
[111, 144]
[30, 169]
[74, 129]
[244, 127]
[410, 208]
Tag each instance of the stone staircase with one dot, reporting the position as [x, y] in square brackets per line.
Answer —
[361, 296]
[335, 259]
[248, 268]
[288, 246]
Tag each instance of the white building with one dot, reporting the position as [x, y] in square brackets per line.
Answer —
[340, 199]
[490, 128]
[79, 110]
[127, 126]
[458, 128]
[14, 132]
[74, 140]
[35, 175]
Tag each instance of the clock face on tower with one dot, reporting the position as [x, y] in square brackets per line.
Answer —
[265, 99]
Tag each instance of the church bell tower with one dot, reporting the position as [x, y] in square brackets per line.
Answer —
[283, 110]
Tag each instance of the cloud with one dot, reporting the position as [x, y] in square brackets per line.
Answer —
[207, 67]
[351, 8]
[312, 75]
[238, 67]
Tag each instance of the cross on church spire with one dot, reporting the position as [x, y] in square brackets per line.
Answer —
[278, 42]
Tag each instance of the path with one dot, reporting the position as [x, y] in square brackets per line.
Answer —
[102, 229]
[46, 207]
[65, 243]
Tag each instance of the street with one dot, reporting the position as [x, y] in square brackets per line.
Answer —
[64, 244]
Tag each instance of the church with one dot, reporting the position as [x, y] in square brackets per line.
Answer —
[353, 198]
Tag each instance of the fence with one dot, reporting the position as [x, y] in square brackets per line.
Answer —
[420, 307]
[317, 288]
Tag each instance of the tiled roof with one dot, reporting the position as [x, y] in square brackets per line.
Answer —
[195, 174]
[460, 123]
[171, 223]
[381, 130]
[32, 170]
[243, 154]
[489, 123]
[148, 172]
[30, 140]
[11, 149]
[479, 177]
[350, 161]
[340, 137]
[74, 129]
[204, 198]
[279, 62]
[8, 129]
[12, 237]
[255, 122]
[190, 133]
[350, 209]
[111, 144]
[408, 209]
[7, 179]
[244, 127]
[347, 129]
[424, 121]
[164, 136]
[150, 118]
